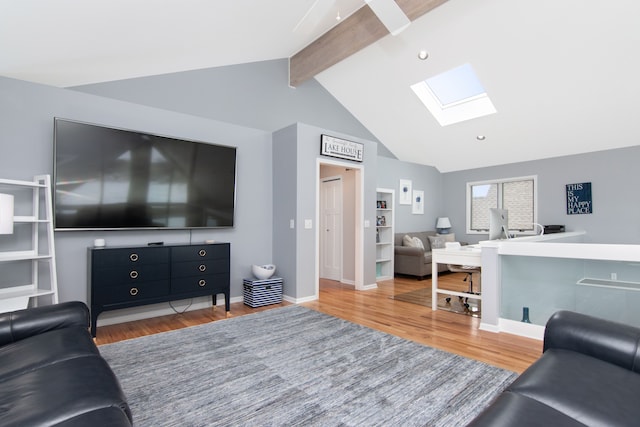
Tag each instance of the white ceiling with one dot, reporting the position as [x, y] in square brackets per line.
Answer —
[561, 74]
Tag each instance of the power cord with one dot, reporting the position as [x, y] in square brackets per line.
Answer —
[183, 311]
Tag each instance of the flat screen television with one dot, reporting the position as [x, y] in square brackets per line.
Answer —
[498, 224]
[107, 178]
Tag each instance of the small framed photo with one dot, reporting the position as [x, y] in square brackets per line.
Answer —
[382, 204]
[381, 221]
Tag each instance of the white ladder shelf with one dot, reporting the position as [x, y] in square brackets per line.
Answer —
[40, 252]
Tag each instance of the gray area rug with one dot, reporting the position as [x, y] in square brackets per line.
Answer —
[294, 366]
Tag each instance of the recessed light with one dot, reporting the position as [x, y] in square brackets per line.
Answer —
[481, 137]
[423, 54]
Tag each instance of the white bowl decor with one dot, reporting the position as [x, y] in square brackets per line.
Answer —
[263, 272]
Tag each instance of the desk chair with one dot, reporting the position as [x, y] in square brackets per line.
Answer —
[467, 269]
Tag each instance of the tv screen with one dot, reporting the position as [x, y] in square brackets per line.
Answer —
[107, 178]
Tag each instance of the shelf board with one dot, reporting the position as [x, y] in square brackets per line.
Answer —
[605, 283]
[26, 291]
[22, 256]
[383, 260]
[30, 184]
[30, 219]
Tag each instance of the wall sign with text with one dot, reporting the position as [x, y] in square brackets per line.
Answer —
[341, 148]
[579, 199]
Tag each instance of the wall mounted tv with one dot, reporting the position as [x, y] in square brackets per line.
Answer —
[107, 178]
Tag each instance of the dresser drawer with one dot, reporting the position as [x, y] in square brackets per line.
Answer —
[129, 274]
[194, 268]
[131, 293]
[191, 253]
[208, 283]
[130, 256]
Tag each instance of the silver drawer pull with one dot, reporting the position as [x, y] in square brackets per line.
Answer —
[133, 274]
[202, 252]
[202, 267]
[133, 257]
[133, 292]
[202, 282]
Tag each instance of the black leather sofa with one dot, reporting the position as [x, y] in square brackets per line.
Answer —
[588, 375]
[51, 373]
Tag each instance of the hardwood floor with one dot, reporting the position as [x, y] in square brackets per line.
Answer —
[456, 333]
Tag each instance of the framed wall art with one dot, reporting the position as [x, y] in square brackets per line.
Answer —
[405, 192]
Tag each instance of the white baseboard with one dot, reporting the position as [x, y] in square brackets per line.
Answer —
[299, 300]
[156, 310]
[528, 330]
[489, 327]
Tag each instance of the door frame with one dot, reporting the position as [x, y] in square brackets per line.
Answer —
[359, 221]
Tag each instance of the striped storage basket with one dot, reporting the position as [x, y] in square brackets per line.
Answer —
[262, 292]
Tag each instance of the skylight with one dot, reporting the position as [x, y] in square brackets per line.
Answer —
[454, 96]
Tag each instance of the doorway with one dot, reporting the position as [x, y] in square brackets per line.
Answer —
[339, 210]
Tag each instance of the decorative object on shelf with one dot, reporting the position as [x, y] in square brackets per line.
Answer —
[418, 202]
[263, 272]
[525, 315]
[381, 221]
[6, 213]
[443, 225]
[405, 192]
[579, 200]
[381, 204]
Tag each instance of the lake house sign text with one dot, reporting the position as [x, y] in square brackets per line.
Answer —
[341, 148]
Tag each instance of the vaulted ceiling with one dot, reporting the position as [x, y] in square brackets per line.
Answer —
[561, 74]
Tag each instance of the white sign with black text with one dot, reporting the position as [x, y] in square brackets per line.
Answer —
[341, 148]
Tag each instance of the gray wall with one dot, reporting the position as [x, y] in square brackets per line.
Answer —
[305, 172]
[26, 140]
[285, 190]
[255, 95]
[614, 175]
[426, 178]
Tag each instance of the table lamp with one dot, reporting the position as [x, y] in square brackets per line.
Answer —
[6, 214]
[443, 225]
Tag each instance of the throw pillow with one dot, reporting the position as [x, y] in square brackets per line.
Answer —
[408, 241]
[418, 243]
[437, 242]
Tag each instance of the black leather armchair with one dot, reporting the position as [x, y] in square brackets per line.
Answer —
[587, 375]
[52, 374]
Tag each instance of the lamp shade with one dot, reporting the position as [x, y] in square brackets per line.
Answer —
[443, 222]
[6, 214]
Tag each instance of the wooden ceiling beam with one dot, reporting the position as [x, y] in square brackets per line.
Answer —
[354, 33]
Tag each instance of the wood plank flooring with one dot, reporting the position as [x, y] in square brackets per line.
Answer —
[456, 333]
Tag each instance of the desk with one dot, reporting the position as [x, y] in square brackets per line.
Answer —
[465, 255]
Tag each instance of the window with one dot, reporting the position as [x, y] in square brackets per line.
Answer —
[454, 96]
[517, 195]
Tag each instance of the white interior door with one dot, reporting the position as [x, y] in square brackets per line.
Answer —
[331, 228]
